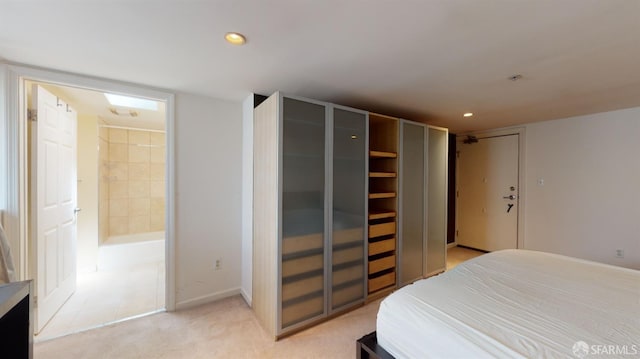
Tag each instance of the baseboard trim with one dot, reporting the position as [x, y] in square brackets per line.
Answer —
[245, 296]
[451, 245]
[190, 303]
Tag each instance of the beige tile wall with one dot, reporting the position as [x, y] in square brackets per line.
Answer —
[136, 181]
[103, 184]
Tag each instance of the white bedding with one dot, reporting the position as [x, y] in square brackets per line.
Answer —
[514, 304]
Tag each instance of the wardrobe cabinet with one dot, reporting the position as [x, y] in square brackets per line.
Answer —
[310, 162]
[383, 204]
[348, 205]
[412, 201]
[423, 201]
[437, 179]
[407, 202]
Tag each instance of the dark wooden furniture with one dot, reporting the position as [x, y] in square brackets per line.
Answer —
[16, 329]
[367, 348]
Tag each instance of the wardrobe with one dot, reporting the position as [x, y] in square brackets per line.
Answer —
[335, 220]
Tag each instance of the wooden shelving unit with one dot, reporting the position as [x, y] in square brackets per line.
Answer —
[382, 195]
[382, 154]
[383, 189]
[383, 174]
[381, 214]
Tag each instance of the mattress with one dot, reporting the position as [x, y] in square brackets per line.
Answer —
[515, 304]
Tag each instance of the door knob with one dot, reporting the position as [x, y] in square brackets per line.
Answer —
[511, 197]
[76, 210]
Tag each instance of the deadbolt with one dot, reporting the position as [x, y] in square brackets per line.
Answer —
[512, 188]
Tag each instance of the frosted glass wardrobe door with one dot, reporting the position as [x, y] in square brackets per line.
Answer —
[349, 207]
[413, 202]
[437, 201]
[303, 188]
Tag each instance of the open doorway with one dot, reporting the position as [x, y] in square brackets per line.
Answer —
[119, 211]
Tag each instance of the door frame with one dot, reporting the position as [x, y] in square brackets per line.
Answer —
[15, 134]
[520, 131]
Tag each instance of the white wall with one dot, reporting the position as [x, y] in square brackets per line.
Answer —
[9, 199]
[589, 204]
[3, 144]
[247, 198]
[208, 170]
[87, 245]
[208, 185]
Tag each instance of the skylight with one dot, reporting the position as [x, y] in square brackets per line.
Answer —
[131, 102]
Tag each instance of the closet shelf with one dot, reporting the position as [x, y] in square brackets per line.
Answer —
[382, 281]
[347, 265]
[382, 154]
[382, 264]
[382, 195]
[381, 214]
[347, 245]
[302, 298]
[302, 276]
[383, 246]
[383, 180]
[302, 254]
[382, 174]
[382, 229]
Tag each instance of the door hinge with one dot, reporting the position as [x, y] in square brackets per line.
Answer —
[457, 232]
[457, 194]
[35, 301]
[32, 114]
[457, 154]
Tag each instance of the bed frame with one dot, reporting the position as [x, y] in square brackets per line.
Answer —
[367, 348]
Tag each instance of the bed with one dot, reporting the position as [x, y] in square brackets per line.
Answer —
[512, 304]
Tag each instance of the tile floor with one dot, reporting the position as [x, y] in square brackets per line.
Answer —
[107, 296]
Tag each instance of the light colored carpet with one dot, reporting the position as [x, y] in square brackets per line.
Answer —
[223, 329]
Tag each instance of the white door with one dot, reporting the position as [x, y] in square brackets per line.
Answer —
[488, 193]
[54, 199]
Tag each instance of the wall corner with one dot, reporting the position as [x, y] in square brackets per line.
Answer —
[247, 198]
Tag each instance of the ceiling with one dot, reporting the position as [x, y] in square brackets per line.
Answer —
[95, 103]
[427, 60]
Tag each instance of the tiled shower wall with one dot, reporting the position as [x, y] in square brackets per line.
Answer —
[103, 184]
[135, 176]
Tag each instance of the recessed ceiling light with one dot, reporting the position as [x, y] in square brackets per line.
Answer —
[468, 114]
[235, 38]
[131, 102]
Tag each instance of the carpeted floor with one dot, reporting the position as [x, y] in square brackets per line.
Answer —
[223, 329]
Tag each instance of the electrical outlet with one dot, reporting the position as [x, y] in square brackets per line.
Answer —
[218, 264]
[619, 253]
